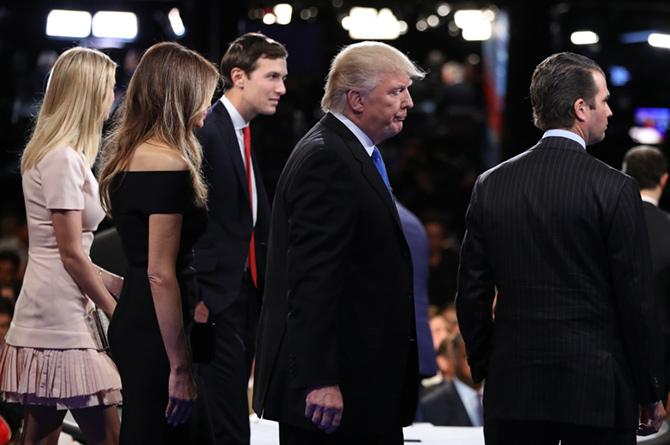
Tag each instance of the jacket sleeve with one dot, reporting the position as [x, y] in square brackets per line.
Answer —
[476, 290]
[321, 205]
[631, 269]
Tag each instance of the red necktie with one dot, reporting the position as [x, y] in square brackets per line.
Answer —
[252, 246]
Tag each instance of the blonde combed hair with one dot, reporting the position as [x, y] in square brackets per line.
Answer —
[71, 112]
[170, 88]
[359, 67]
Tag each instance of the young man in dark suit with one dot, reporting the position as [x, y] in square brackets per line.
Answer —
[337, 358]
[230, 256]
[571, 352]
[649, 166]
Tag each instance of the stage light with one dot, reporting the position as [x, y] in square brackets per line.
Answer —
[68, 23]
[443, 9]
[645, 135]
[269, 18]
[480, 32]
[370, 24]
[433, 20]
[176, 23]
[283, 11]
[474, 23]
[465, 18]
[115, 25]
[403, 27]
[659, 40]
[421, 25]
[584, 38]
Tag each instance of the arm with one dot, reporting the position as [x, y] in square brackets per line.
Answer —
[68, 230]
[321, 202]
[164, 239]
[476, 291]
[113, 283]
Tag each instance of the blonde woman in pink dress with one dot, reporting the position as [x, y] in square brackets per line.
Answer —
[51, 361]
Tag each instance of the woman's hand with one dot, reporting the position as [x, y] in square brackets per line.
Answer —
[182, 392]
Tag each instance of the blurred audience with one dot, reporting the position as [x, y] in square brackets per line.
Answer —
[443, 262]
[438, 329]
[449, 314]
[456, 402]
[10, 283]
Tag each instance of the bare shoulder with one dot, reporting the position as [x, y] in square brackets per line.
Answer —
[150, 157]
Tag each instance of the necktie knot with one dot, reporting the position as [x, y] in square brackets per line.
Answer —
[381, 168]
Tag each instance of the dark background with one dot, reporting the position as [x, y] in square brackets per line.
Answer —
[434, 162]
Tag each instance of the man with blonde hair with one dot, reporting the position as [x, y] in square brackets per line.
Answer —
[337, 358]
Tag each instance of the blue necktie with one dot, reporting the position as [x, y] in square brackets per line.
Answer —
[379, 164]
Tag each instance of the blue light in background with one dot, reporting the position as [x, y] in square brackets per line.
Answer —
[619, 75]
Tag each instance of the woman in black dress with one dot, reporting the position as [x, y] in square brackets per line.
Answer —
[151, 185]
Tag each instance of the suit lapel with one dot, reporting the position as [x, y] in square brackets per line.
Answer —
[368, 168]
[229, 139]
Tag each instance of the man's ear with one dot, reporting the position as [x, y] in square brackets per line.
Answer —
[355, 101]
[238, 77]
[664, 180]
[579, 108]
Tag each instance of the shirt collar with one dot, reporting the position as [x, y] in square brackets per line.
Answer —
[649, 199]
[565, 134]
[238, 121]
[363, 138]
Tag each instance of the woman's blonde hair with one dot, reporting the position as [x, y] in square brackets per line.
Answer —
[170, 88]
[71, 112]
[359, 67]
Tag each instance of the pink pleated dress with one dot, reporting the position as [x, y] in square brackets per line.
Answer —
[50, 357]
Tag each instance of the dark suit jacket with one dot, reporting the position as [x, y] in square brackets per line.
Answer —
[417, 240]
[444, 407]
[562, 237]
[658, 226]
[338, 307]
[221, 253]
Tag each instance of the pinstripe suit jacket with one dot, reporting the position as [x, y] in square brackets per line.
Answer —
[562, 238]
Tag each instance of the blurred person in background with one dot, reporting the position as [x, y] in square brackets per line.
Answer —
[649, 167]
[443, 262]
[457, 401]
[151, 184]
[417, 240]
[451, 318]
[438, 329]
[10, 284]
[52, 360]
[11, 413]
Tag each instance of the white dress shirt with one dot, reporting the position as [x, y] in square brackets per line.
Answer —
[363, 138]
[565, 134]
[471, 400]
[239, 124]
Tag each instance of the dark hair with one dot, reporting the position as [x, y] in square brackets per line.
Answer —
[557, 82]
[645, 164]
[13, 257]
[6, 307]
[245, 51]
[449, 345]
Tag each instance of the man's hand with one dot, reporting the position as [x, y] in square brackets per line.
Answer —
[651, 418]
[201, 314]
[324, 406]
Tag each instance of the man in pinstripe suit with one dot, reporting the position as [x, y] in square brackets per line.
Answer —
[572, 351]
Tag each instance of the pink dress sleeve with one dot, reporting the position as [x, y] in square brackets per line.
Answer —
[63, 177]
